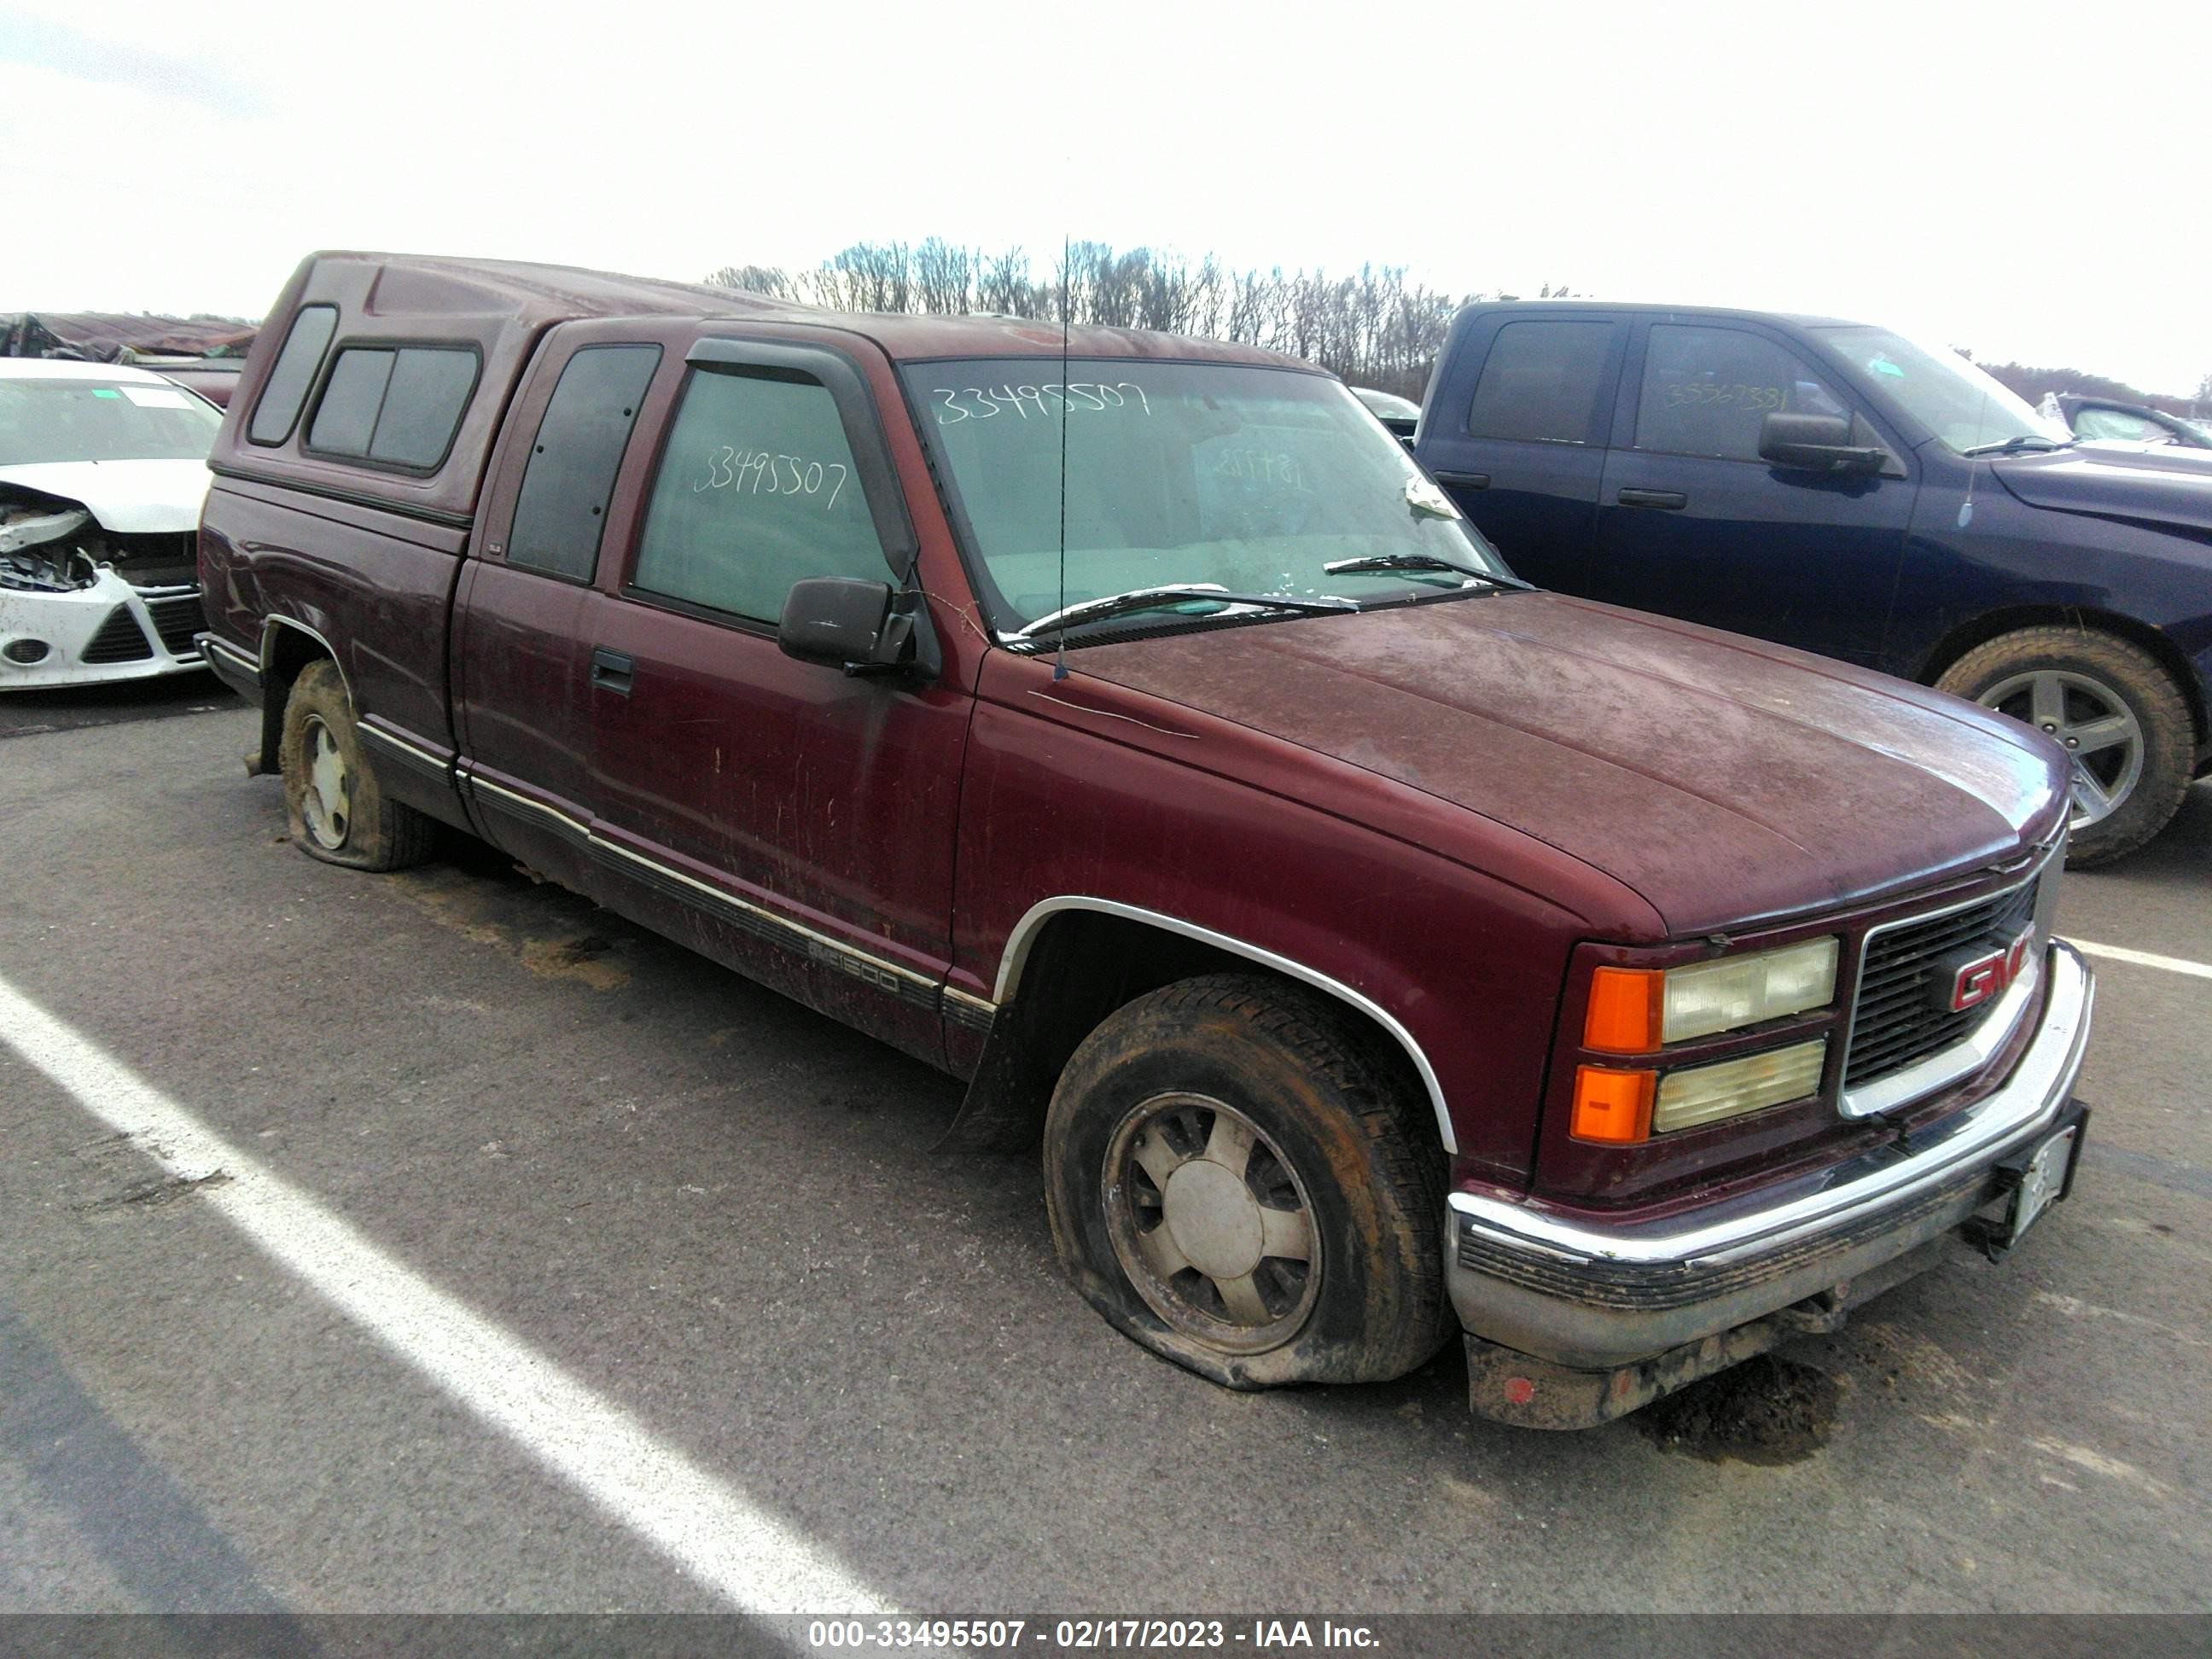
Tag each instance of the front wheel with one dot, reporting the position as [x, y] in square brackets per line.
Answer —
[2116, 712]
[1236, 1182]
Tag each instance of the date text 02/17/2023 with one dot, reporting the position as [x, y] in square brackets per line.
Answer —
[1085, 1635]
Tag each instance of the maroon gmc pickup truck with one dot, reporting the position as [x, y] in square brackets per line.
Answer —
[1127, 725]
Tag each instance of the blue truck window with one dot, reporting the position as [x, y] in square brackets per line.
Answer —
[1542, 381]
[1706, 390]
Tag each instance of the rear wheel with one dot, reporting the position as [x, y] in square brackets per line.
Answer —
[2116, 712]
[1236, 1181]
[338, 810]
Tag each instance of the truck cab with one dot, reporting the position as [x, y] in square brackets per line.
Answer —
[1127, 725]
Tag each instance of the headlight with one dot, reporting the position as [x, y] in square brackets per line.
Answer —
[1706, 1094]
[1731, 991]
[1634, 1011]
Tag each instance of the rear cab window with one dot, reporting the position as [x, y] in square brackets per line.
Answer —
[569, 482]
[1545, 381]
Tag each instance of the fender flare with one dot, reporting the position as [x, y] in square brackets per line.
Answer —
[984, 1119]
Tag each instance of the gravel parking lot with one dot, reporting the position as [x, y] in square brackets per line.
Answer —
[477, 1251]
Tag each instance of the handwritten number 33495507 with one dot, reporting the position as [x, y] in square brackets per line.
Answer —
[771, 475]
[1075, 397]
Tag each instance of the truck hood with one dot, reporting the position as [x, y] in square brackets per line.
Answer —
[129, 498]
[1723, 779]
[2168, 486]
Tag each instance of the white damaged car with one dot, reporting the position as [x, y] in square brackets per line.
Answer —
[103, 469]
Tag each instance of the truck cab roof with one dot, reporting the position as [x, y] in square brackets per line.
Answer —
[497, 311]
[1738, 314]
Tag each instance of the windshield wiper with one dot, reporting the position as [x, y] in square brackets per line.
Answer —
[1153, 598]
[1423, 562]
[2021, 443]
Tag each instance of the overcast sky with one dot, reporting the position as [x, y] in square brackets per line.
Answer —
[2024, 180]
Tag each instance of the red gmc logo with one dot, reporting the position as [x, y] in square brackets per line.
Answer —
[1983, 977]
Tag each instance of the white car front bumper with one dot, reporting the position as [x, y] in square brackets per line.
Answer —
[92, 635]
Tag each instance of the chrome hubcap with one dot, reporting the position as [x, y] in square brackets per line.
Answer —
[328, 805]
[1211, 1223]
[2098, 730]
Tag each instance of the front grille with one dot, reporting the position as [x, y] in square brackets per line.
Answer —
[176, 620]
[1900, 1016]
[119, 640]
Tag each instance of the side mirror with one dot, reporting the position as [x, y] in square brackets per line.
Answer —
[1818, 443]
[841, 622]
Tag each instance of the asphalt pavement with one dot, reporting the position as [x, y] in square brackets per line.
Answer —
[436, 1242]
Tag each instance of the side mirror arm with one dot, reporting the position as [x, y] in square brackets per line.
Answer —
[906, 648]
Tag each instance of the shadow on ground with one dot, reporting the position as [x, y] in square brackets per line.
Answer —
[63, 708]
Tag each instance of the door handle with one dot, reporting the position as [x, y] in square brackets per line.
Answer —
[611, 670]
[1465, 480]
[1668, 500]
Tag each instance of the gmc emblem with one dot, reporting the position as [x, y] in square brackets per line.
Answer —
[1967, 980]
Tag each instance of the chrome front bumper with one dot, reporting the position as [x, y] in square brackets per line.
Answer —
[1585, 1294]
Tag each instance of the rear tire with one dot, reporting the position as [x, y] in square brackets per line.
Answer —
[1236, 1182]
[2119, 714]
[337, 808]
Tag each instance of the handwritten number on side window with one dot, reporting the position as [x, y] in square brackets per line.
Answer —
[757, 472]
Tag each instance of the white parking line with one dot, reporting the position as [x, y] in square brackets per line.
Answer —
[2145, 959]
[709, 1529]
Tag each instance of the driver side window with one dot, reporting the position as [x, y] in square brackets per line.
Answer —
[1705, 390]
[756, 491]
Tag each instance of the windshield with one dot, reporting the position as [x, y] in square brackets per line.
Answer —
[1249, 479]
[76, 420]
[1388, 405]
[1958, 402]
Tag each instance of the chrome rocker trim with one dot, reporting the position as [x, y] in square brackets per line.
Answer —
[242, 662]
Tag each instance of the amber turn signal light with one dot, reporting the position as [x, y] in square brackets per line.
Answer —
[1626, 1006]
[1612, 1106]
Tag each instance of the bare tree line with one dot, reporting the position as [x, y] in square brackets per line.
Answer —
[1373, 327]
[2031, 381]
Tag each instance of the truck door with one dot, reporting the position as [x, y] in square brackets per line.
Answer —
[1514, 431]
[1692, 524]
[525, 707]
[793, 821]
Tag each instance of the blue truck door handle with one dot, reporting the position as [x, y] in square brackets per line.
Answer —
[611, 670]
[1465, 480]
[1668, 500]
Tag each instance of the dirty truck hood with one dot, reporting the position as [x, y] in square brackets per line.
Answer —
[130, 498]
[1721, 778]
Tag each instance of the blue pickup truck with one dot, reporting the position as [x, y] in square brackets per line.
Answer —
[1836, 487]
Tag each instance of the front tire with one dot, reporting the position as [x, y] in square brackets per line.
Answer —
[1234, 1180]
[2117, 712]
[337, 808]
